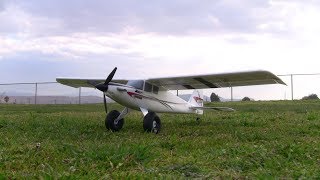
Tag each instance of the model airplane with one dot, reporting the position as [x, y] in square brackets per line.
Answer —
[152, 96]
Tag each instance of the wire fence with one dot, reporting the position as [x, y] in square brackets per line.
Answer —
[298, 86]
[46, 93]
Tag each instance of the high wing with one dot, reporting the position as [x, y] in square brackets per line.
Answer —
[248, 78]
[192, 82]
[79, 82]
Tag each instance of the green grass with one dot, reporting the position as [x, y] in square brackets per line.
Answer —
[260, 140]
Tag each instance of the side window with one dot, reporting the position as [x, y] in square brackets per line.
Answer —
[155, 89]
[147, 87]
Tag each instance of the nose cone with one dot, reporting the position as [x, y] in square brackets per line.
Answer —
[102, 87]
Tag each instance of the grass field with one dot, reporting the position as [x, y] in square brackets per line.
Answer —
[259, 140]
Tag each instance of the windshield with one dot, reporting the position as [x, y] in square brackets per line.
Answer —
[136, 84]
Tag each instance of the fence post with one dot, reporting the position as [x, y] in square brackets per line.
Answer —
[79, 95]
[36, 94]
[291, 86]
[231, 93]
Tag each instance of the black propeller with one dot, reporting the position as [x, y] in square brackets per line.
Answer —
[104, 87]
[109, 78]
[105, 103]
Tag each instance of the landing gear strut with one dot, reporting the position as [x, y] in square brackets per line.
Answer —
[152, 123]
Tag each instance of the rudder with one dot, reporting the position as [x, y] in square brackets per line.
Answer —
[196, 98]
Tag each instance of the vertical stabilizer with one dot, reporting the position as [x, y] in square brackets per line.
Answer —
[196, 100]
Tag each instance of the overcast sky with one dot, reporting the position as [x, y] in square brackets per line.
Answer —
[40, 40]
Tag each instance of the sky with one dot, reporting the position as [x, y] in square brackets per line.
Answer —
[42, 40]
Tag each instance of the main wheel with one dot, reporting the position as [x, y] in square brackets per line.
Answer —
[152, 123]
[111, 123]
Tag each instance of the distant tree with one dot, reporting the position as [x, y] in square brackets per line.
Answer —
[214, 97]
[1, 96]
[310, 97]
[246, 99]
[6, 99]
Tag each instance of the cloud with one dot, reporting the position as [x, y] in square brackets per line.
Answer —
[164, 17]
[1, 6]
[221, 35]
[61, 18]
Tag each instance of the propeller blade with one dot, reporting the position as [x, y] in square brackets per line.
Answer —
[104, 86]
[105, 103]
[109, 78]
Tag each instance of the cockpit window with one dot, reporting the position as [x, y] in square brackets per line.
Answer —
[147, 87]
[155, 89]
[136, 84]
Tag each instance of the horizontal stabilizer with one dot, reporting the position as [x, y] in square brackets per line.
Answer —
[214, 108]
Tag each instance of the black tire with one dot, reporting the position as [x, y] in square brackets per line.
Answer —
[110, 123]
[152, 123]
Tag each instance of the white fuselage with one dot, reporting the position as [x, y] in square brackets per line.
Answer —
[162, 102]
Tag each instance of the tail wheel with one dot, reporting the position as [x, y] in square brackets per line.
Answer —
[111, 122]
[152, 123]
